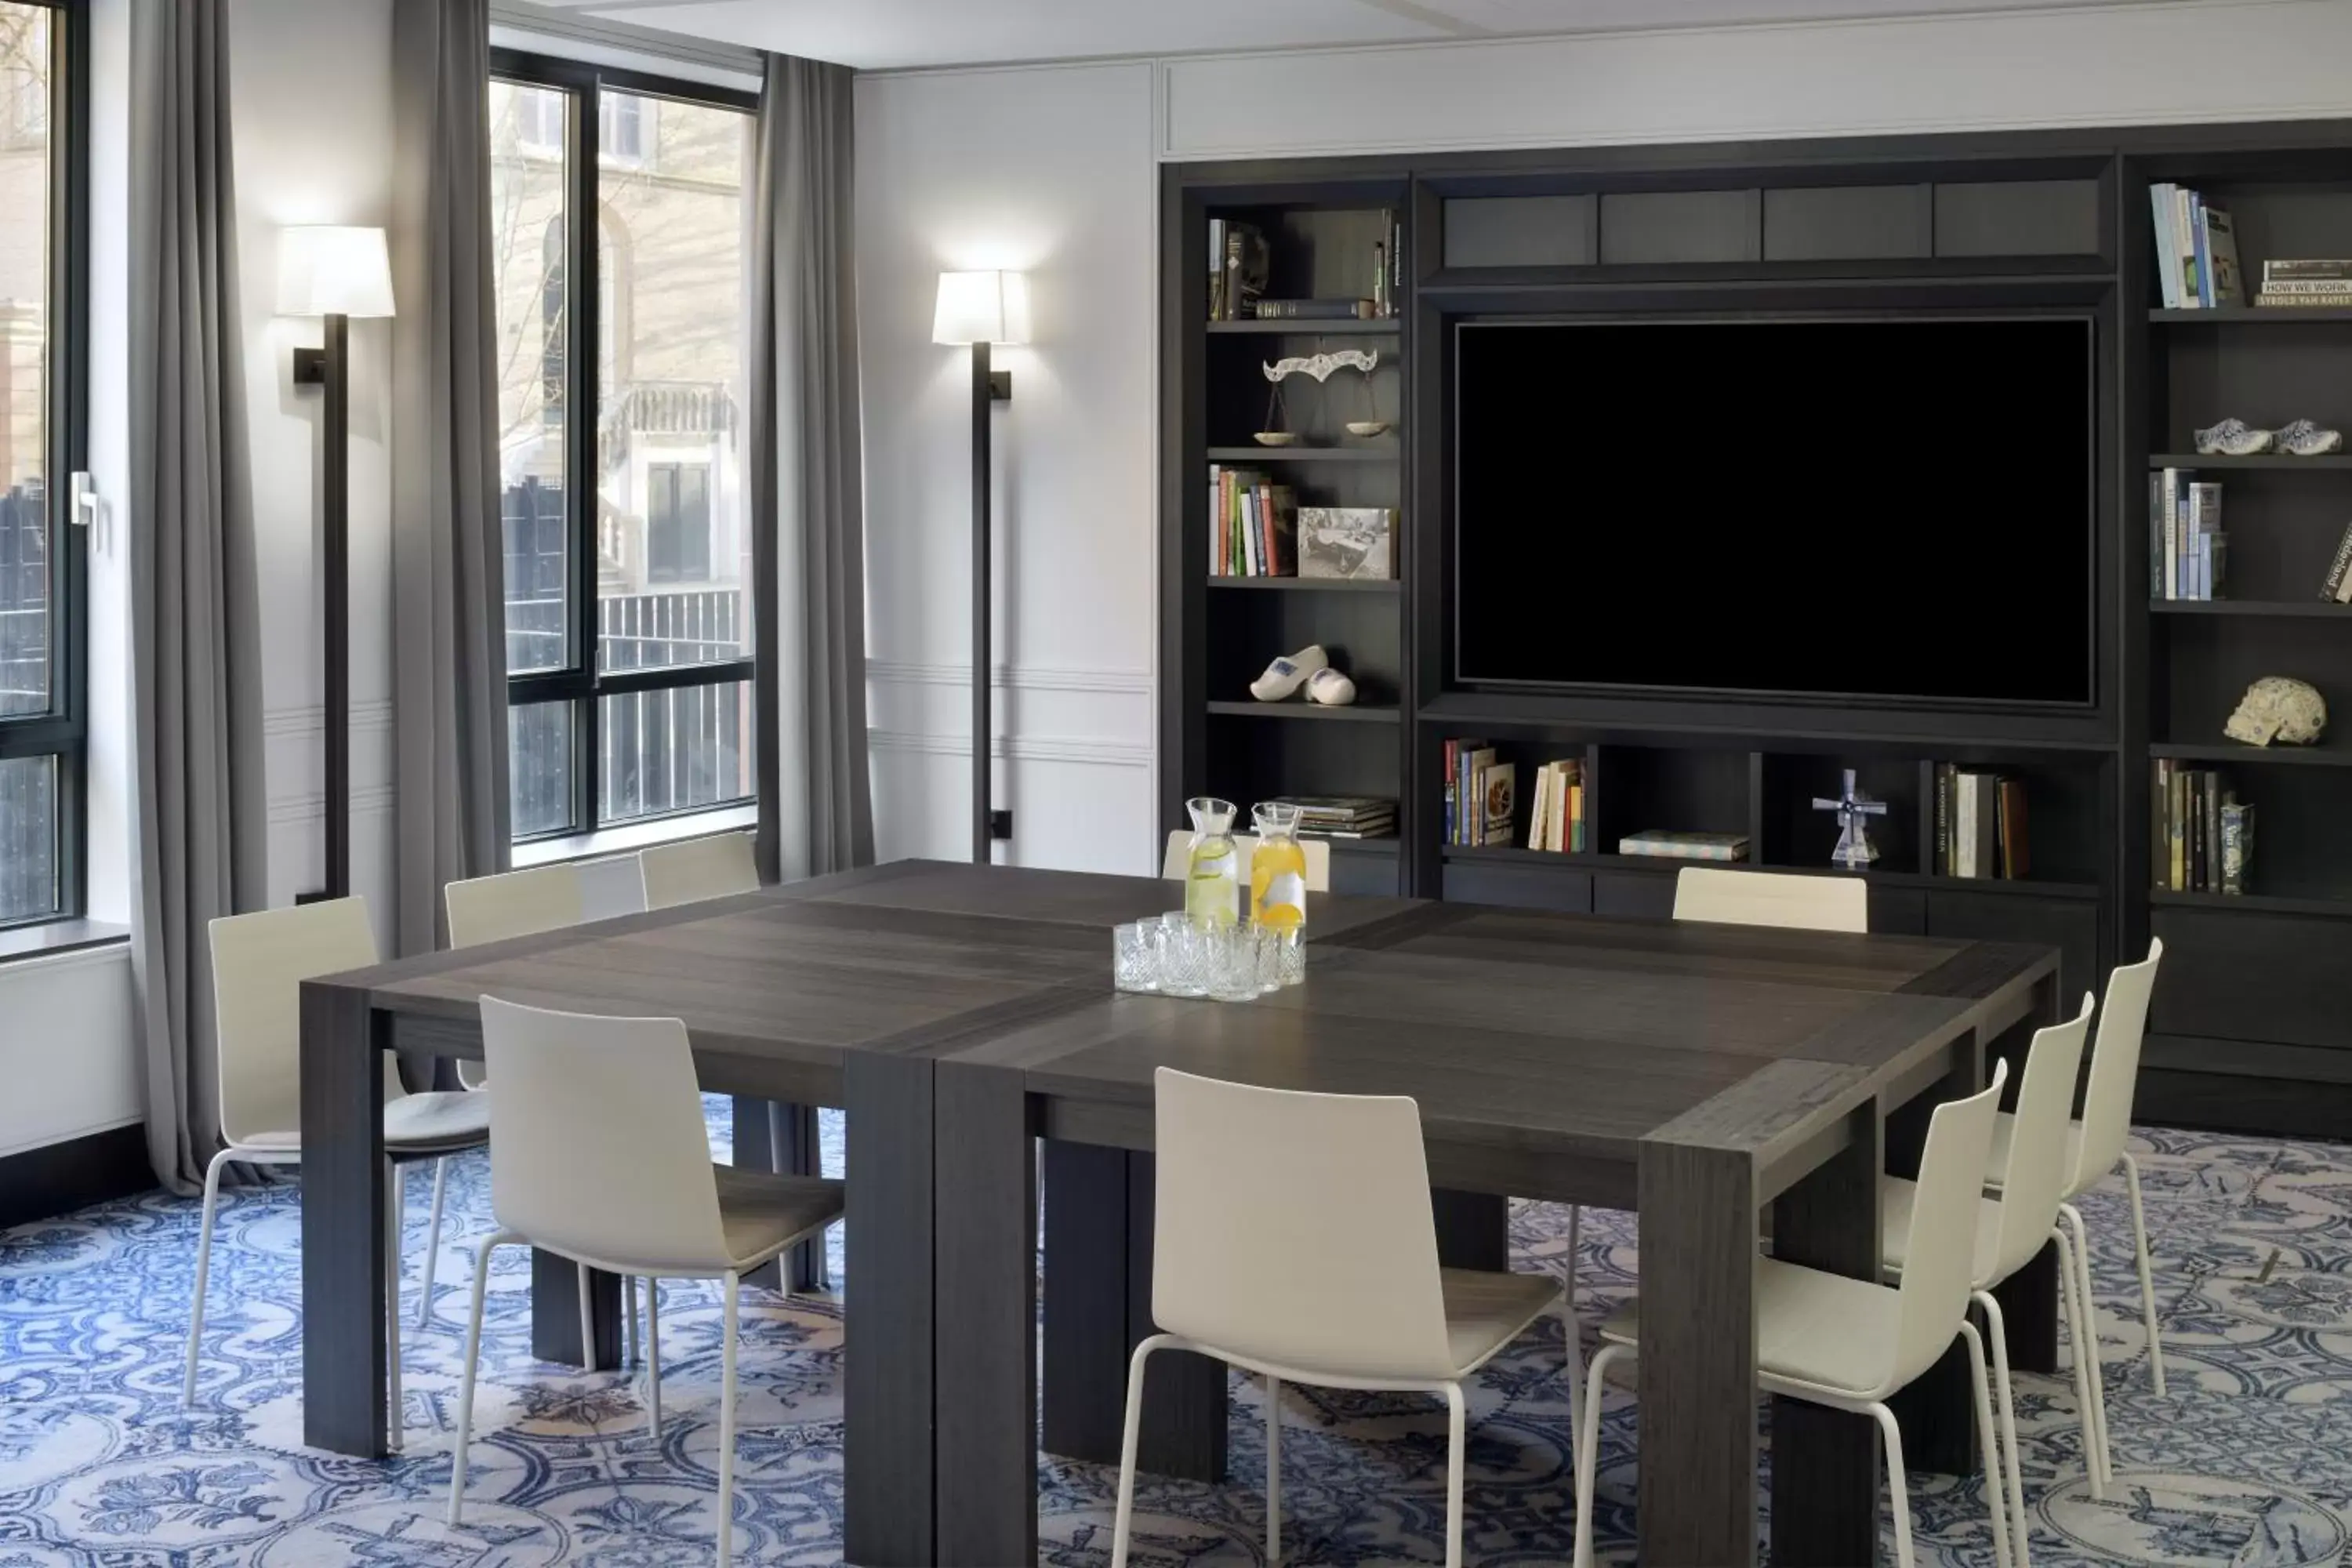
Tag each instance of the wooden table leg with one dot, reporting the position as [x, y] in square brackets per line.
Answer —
[1698, 1361]
[773, 1136]
[1098, 1213]
[889, 1473]
[1826, 1470]
[555, 1313]
[985, 1316]
[344, 1396]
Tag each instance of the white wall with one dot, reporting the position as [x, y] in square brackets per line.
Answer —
[1048, 171]
[311, 94]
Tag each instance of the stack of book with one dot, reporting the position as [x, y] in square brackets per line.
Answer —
[1559, 822]
[1253, 526]
[1979, 825]
[1663, 844]
[2291, 283]
[2196, 251]
[2337, 586]
[1481, 794]
[2204, 837]
[1343, 816]
[1238, 263]
[1316, 309]
[2188, 554]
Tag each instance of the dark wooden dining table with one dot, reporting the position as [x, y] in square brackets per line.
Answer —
[1705, 1076]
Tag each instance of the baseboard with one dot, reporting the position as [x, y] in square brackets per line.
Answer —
[59, 1178]
[2236, 1102]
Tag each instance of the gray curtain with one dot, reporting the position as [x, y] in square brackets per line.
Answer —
[198, 819]
[816, 805]
[449, 666]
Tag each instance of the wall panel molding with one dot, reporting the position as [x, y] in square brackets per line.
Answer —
[282, 723]
[1012, 677]
[1017, 747]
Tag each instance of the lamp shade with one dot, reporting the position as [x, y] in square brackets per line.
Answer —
[327, 271]
[982, 308]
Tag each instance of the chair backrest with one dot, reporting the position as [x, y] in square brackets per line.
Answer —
[598, 1144]
[1295, 1229]
[513, 903]
[610, 887]
[2115, 1070]
[698, 868]
[2034, 1183]
[1177, 861]
[259, 962]
[1939, 1256]
[1771, 898]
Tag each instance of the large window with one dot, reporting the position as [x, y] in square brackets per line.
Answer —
[618, 246]
[41, 358]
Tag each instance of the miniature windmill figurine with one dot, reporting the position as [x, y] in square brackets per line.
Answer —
[1854, 850]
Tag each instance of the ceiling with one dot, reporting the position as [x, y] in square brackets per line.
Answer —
[885, 34]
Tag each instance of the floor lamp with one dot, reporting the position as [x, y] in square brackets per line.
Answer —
[983, 309]
[335, 273]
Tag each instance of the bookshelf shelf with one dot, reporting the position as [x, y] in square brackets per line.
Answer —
[1517, 855]
[2235, 315]
[2254, 903]
[2272, 460]
[1256, 454]
[1293, 328]
[1376, 849]
[2279, 609]
[2322, 756]
[1311, 712]
[1308, 585]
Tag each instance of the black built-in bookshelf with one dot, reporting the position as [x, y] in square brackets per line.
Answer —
[2249, 1028]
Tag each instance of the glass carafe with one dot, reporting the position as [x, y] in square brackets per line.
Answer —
[1278, 870]
[1213, 886]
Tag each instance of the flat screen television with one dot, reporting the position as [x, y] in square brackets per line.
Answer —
[1891, 511]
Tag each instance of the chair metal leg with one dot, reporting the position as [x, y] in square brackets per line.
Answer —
[1125, 1516]
[729, 1310]
[587, 1322]
[1273, 1472]
[397, 1415]
[473, 1360]
[1898, 1485]
[1456, 1418]
[1995, 1513]
[203, 1272]
[1997, 1327]
[1588, 1450]
[2147, 1283]
[653, 1354]
[2069, 1292]
[433, 1240]
[2094, 1366]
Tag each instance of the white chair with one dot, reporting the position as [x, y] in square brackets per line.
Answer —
[695, 868]
[1294, 1237]
[1851, 1344]
[259, 962]
[572, 1090]
[514, 903]
[2013, 1230]
[1771, 898]
[2095, 1145]
[1177, 861]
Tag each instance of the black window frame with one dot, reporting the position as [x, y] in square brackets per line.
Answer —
[579, 683]
[62, 733]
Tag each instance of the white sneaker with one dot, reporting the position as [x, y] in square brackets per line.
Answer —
[1330, 687]
[1285, 676]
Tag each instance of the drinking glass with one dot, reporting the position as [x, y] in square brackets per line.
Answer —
[1269, 959]
[1183, 956]
[1233, 962]
[1291, 964]
[1135, 956]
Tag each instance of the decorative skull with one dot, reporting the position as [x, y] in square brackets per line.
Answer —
[2278, 708]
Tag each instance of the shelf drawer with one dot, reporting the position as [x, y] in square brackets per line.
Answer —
[1635, 895]
[1520, 887]
[2230, 974]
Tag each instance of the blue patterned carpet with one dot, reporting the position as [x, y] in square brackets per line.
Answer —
[2248, 1462]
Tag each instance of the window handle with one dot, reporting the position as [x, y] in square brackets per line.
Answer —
[82, 508]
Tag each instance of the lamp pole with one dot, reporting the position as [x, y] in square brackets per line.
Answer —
[983, 748]
[329, 368]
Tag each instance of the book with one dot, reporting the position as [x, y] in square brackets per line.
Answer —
[1451, 749]
[2205, 525]
[2156, 536]
[2174, 479]
[2304, 269]
[1216, 269]
[2269, 301]
[1944, 774]
[1355, 543]
[2218, 259]
[2210, 836]
[1314, 309]
[1663, 843]
[1498, 801]
[2167, 275]
[2184, 240]
[2339, 571]
[2015, 860]
[1245, 270]
[2236, 844]
[2288, 290]
[1472, 758]
[1540, 809]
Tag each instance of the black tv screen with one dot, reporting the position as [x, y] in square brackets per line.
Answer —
[1844, 507]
